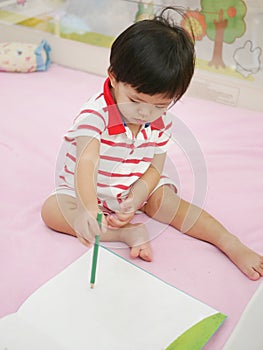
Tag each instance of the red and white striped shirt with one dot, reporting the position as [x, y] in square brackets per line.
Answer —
[123, 157]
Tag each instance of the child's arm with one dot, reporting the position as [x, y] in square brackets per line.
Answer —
[139, 192]
[86, 173]
[86, 181]
[146, 184]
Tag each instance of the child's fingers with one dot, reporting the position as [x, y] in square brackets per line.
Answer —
[82, 232]
[84, 241]
[114, 221]
[104, 225]
[87, 227]
[124, 216]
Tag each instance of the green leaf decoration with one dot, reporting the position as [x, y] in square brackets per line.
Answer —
[197, 336]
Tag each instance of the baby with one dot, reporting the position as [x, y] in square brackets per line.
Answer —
[115, 152]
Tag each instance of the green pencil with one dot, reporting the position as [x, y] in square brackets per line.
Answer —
[95, 253]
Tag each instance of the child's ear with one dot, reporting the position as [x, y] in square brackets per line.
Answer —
[112, 78]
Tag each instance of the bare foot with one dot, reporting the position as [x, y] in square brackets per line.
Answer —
[248, 261]
[136, 236]
[143, 251]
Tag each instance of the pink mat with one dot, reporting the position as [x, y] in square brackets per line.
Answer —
[37, 108]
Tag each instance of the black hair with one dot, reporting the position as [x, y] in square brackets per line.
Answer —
[154, 56]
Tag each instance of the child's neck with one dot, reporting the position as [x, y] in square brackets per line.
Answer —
[135, 128]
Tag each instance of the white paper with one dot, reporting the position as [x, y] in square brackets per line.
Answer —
[128, 309]
[248, 332]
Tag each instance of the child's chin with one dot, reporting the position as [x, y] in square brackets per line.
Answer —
[141, 122]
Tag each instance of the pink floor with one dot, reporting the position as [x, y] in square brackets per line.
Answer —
[37, 108]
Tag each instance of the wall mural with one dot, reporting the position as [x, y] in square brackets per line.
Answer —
[227, 32]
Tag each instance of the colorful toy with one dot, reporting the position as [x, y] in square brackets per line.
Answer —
[24, 57]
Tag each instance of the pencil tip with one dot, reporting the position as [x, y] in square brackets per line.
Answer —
[92, 285]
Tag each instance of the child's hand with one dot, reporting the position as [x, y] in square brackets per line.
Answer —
[123, 216]
[87, 227]
[119, 219]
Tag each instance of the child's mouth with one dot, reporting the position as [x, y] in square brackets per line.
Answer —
[140, 121]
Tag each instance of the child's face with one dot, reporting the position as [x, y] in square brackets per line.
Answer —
[138, 108]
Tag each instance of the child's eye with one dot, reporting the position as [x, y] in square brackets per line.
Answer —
[133, 100]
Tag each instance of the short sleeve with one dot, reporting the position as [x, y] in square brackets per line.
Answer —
[89, 122]
[164, 135]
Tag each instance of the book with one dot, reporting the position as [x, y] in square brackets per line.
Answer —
[128, 309]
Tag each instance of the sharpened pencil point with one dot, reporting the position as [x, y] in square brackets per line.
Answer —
[92, 285]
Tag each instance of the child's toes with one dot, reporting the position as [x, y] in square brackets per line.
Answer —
[143, 252]
[253, 274]
[259, 269]
[255, 271]
[135, 252]
[146, 254]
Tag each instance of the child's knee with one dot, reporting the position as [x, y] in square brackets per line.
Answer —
[48, 210]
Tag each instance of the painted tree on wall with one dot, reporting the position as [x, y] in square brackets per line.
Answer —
[194, 23]
[224, 23]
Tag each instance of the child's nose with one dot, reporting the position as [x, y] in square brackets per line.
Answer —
[144, 110]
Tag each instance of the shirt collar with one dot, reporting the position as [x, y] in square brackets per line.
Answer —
[115, 124]
[158, 124]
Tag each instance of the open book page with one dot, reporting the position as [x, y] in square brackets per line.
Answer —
[128, 309]
[17, 334]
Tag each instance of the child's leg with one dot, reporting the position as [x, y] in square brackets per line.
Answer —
[164, 205]
[60, 213]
